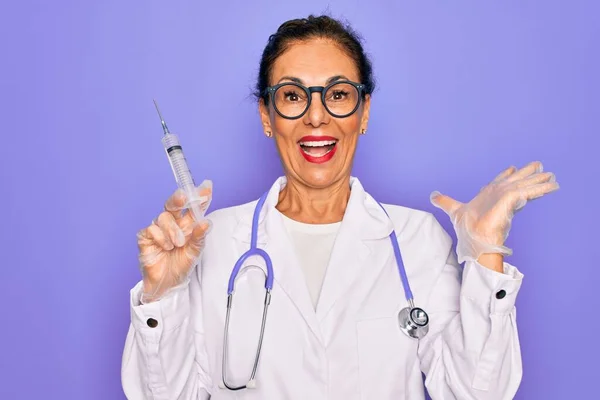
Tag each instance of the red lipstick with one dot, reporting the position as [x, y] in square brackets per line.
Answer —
[310, 143]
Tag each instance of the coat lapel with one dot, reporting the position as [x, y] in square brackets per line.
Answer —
[364, 220]
[274, 239]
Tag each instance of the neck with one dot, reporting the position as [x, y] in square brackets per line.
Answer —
[314, 206]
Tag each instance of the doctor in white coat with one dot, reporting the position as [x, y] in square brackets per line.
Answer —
[332, 328]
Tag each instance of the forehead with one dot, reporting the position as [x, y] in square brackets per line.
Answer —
[313, 62]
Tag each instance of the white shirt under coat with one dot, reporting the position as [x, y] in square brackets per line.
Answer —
[313, 244]
[350, 346]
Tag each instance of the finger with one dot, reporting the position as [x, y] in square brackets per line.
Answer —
[203, 192]
[191, 219]
[536, 179]
[533, 192]
[200, 231]
[504, 174]
[169, 226]
[157, 236]
[175, 204]
[512, 201]
[188, 223]
[529, 169]
[144, 238]
[196, 209]
[197, 239]
[446, 203]
[178, 201]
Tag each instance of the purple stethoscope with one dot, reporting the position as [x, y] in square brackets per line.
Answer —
[413, 321]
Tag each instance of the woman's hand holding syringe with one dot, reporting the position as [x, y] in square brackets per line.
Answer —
[170, 247]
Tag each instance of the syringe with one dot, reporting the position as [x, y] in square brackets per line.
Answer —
[196, 203]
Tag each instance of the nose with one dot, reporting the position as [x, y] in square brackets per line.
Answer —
[316, 113]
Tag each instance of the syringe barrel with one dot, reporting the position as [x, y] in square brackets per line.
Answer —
[182, 173]
[183, 176]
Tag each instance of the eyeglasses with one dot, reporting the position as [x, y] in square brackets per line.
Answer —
[340, 98]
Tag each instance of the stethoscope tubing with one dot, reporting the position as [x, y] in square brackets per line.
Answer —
[408, 325]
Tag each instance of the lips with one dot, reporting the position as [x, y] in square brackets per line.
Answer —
[317, 149]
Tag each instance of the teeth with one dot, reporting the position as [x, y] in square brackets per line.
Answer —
[322, 155]
[318, 144]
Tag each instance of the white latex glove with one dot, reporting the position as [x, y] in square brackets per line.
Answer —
[170, 247]
[482, 225]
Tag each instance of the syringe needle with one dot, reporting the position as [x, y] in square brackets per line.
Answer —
[162, 121]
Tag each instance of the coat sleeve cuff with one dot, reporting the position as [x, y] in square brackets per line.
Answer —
[163, 315]
[495, 291]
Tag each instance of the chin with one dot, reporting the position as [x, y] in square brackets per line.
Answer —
[320, 179]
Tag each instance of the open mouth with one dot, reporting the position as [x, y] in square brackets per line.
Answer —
[317, 148]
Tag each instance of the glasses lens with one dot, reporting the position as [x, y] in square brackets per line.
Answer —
[341, 99]
[290, 100]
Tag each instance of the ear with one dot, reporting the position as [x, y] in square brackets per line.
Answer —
[365, 116]
[263, 109]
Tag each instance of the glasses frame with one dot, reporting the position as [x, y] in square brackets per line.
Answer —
[270, 92]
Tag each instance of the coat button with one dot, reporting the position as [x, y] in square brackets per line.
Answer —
[152, 323]
[500, 294]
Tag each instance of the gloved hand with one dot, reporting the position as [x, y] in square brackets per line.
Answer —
[170, 247]
[482, 225]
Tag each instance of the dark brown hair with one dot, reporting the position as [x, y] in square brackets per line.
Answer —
[309, 28]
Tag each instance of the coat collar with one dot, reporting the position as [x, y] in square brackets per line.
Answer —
[363, 216]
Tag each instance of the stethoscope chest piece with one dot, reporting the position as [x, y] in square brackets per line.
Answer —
[413, 321]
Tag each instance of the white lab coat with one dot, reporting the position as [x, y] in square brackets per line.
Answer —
[351, 346]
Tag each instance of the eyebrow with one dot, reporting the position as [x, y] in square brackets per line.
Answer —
[300, 81]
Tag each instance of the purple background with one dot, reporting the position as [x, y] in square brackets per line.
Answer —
[465, 90]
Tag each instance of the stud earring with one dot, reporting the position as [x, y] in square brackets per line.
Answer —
[363, 131]
[268, 133]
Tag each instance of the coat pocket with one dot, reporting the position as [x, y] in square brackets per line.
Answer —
[385, 358]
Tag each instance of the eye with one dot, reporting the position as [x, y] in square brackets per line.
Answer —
[291, 95]
[339, 94]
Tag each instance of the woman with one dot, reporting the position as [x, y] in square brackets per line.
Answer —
[332, 327]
